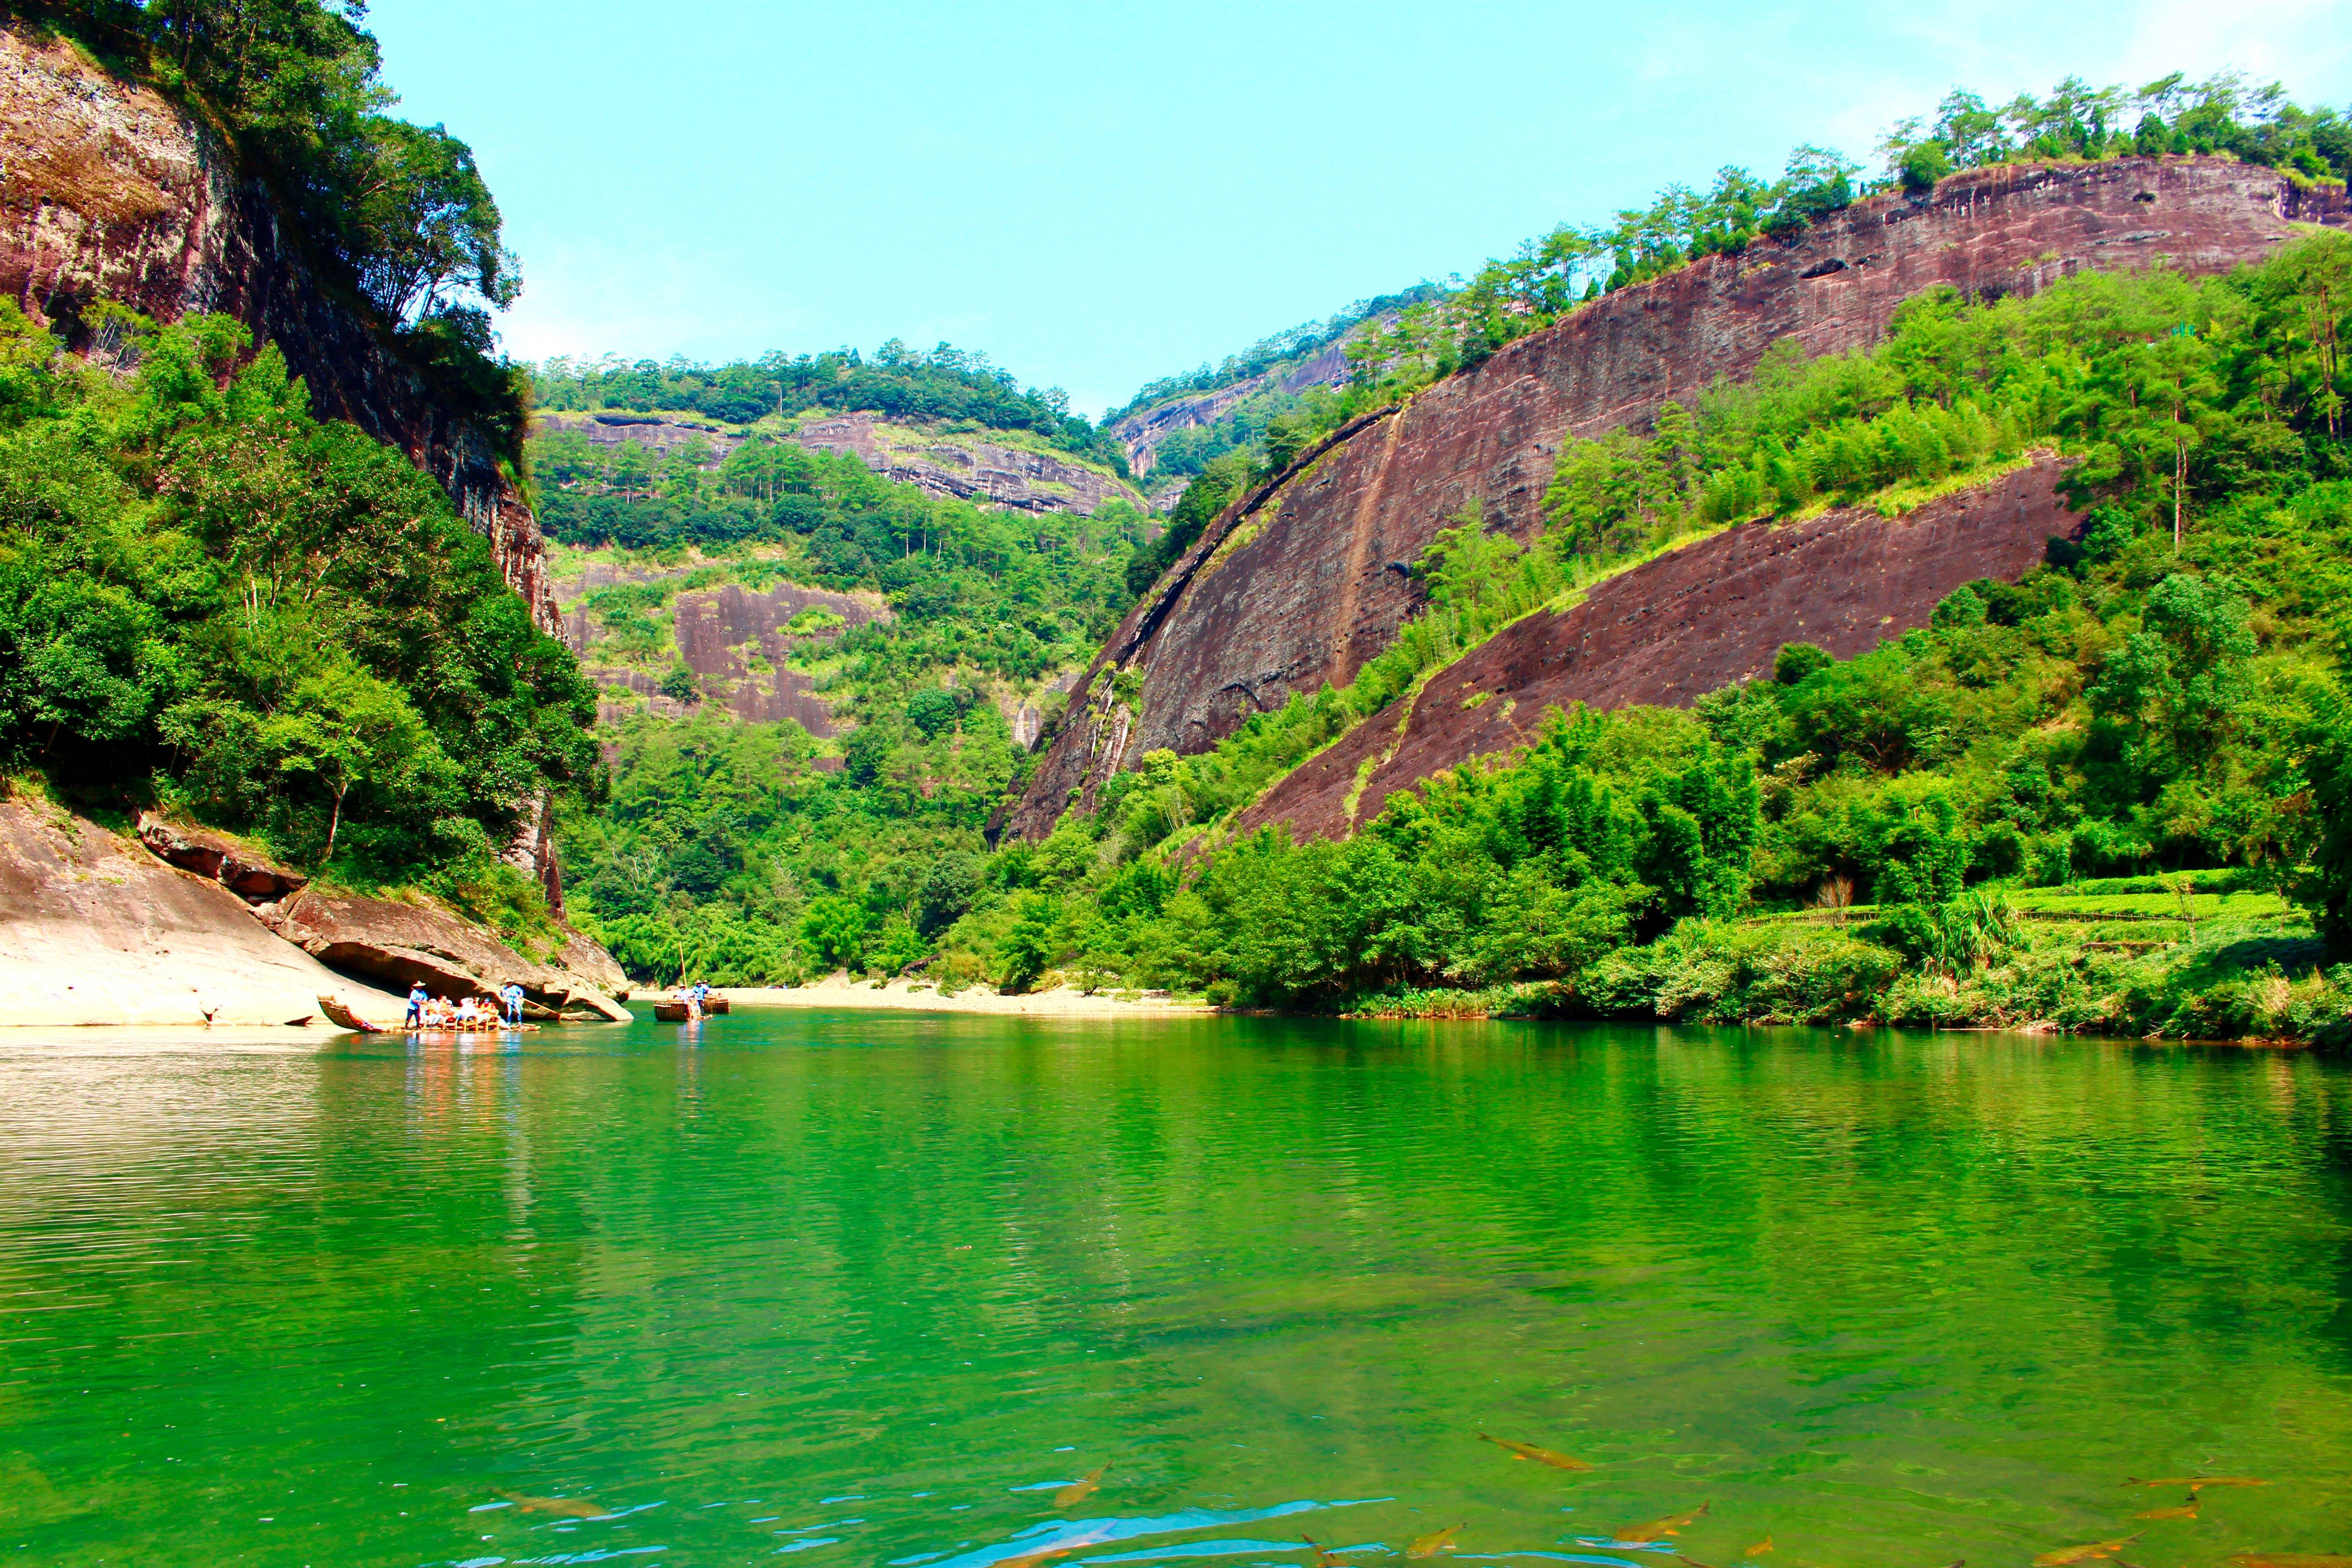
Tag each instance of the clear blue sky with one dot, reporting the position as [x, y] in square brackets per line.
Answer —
[1098, 193]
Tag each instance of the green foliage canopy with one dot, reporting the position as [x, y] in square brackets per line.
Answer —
[210, 597]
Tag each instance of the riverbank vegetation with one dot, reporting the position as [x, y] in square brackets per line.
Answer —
[212, 602]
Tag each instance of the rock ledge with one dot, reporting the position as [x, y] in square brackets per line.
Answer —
[398, 945]
[251, 875]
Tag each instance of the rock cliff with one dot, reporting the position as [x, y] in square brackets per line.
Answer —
[398, 945]
[178, 925]
[108, 191]
[1142, 433]
[976, 466]
[736, 640]
[967, 464]
[1299, 583]
[1672, 629]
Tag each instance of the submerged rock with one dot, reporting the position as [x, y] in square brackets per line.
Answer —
[399, 944]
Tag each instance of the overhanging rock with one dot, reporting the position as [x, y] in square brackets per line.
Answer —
[399, 945]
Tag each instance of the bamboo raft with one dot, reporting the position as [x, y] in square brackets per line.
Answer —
[333, 1008]
[677, 1012]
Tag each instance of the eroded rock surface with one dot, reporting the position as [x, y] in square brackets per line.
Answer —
[108, 191]
[1672, 630]
[1299, 585]
[589, 960]
[736, 640]
[250, 875]
[94, 930]
[399, 944]
[965, 464]
[1141, 433]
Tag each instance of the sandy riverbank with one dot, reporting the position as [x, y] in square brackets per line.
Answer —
[838, 991]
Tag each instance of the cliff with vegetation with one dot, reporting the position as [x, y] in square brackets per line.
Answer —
[1145, 431]
[1299, 583]
[1731, 739]
[960, 461]
[1174, 427]
[268, 583]
[1710, 615]
[110, 192]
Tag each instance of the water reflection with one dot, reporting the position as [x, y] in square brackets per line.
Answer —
[1875, 1297]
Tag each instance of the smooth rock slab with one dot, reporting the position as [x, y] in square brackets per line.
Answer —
[93, 930]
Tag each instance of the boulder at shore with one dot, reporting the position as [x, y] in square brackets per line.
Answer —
[94, 930]
[398, 944]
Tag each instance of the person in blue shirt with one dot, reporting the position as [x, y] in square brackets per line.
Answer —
[702, 996]
[417, 998]
[511, 994]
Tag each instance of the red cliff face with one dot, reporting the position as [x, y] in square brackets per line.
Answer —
[107, 191]
[1673, 629]
[1300, 584]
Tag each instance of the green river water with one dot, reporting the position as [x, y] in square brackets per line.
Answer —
[873, 1288]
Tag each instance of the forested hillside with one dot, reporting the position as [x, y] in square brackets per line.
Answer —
[2109, 796]
[1190, 420]
[393, 212]
[2163, 701]
[213, 601]
[944, 385]
[760, 851]
[2112, 795]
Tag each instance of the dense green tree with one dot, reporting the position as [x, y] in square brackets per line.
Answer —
[211, 599]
